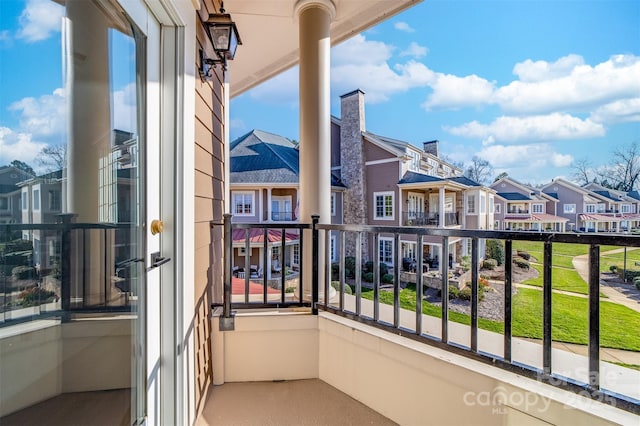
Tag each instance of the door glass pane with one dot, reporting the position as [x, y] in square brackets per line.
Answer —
[69, 270]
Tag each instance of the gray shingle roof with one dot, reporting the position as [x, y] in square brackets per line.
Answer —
[413, 177]
[514, 196]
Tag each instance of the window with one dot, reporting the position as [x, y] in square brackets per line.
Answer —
[36, 199]
[538, 208]
[497, 207]
[590, 208]
[491, 204]
[296, 255]
[496, 225]
[414, 163]
[54, 200]
[275, 253]
[25, 201]
[471, 204]
[383, 202]
[4, 203]
[483, 206]
[625, 208]
[243, 203]
[415, 207]
[385, 251]
[333, 204]
[281, 208]
[569, 208]
[334, 241]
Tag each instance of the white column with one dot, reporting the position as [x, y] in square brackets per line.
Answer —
[441, 222]
[268, 207]
[315, 122]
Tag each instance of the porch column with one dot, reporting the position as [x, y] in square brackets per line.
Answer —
[91, 180]
[268, 206]
[441, 222]
[314, 20]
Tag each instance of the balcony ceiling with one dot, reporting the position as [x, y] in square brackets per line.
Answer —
[269, 33]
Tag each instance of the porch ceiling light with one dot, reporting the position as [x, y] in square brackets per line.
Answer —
[224, 36]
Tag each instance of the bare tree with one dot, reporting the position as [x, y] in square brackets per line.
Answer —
[500, 176]
[479, 170]
[623, 173]
[52, 157]
[583, 172]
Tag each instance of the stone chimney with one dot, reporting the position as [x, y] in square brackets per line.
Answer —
[352, 165]
[431, 147]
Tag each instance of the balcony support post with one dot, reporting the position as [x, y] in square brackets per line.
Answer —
[546, 313]
[314, 21]
[315, 242]
[594, 316]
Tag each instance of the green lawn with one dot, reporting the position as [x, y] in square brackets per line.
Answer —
[633, 255]
[618, 324]
[563, 249]
[561, 279]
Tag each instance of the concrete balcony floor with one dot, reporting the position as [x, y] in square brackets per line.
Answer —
[295, 402]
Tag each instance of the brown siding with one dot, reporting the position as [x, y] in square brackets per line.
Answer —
[209, 206]
[373, 152]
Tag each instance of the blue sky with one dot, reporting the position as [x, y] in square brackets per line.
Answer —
[530, 86]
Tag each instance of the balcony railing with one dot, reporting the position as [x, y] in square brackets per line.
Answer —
[282, 216]
[517, 211]
[370, 310]
[429, 219]
[50, 269]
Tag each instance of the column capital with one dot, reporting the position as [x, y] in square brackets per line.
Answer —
[302, 5]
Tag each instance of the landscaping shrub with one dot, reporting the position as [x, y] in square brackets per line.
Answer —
[368, 277]
[23, 273]
[335, 271]
[368, 267]
[465, 293]
[384, 269]
[465, 263]
[613, 268]
[347, 287]
[489, 264]
[637, 285]
[523, 254]
[35, 296]
[521, 263]
[629, 275]
[636, 282]
[387, 279]
[495, 250]
[453, 292]
[483, 282]
[350, 266]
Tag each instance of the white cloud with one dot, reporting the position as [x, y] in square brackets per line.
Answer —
[124, 109]
[626, 110]
[530, 71]
[356, 63]
[39, 19]
[44, 116]
[18, 146]
[540, 128]
[569, 85]
[415, 50]
[403, 26]
[533, 156]
[453, 92]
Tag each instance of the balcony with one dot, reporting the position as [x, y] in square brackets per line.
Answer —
[517, 211]
[282, 216]
[429, 219]
[414, 367]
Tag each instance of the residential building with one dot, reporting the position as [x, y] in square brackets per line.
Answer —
[520, 207]
[265, 174]
[151, 353]
[593, 208]
[10, 194]
[392, 182]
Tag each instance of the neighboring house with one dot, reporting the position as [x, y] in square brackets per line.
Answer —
[580, 206]
[617, 212]
[265, 172]
[392, 182]
[519, 207]
[41, 203]
[10, 194]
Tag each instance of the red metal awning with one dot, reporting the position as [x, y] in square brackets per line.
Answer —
[257, 236]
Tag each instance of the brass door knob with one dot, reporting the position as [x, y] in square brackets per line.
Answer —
[157, 226]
